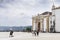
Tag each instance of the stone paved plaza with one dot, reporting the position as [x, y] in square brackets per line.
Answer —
[29, 36]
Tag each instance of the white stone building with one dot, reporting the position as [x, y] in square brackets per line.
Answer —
[42, 22]
[47, 21]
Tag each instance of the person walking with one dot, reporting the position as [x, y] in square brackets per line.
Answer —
[37, 32]
[11, 33]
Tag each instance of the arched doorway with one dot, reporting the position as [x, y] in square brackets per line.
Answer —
[38, 26]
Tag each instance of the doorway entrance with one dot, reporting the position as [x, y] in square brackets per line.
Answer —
[38, 26]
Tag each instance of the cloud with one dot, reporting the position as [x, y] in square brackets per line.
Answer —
[19, 12]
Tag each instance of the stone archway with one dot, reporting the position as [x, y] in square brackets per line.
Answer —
[38, 26]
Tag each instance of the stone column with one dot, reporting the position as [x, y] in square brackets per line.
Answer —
[47, 21]
[41, 25]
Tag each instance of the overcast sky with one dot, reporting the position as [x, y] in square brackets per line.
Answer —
[19, 12]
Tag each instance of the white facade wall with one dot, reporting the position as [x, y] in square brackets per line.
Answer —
[57, 19]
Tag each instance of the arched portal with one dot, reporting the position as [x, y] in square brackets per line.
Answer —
[38, 26]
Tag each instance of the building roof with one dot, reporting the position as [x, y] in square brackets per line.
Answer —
[45, 13]
[40, 15]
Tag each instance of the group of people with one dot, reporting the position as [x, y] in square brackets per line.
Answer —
[36, 33]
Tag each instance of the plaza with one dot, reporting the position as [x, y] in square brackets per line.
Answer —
[29, 36]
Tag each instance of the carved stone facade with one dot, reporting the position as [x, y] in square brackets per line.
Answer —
[42, 22]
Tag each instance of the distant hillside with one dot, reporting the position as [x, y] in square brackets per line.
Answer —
[14, 28]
